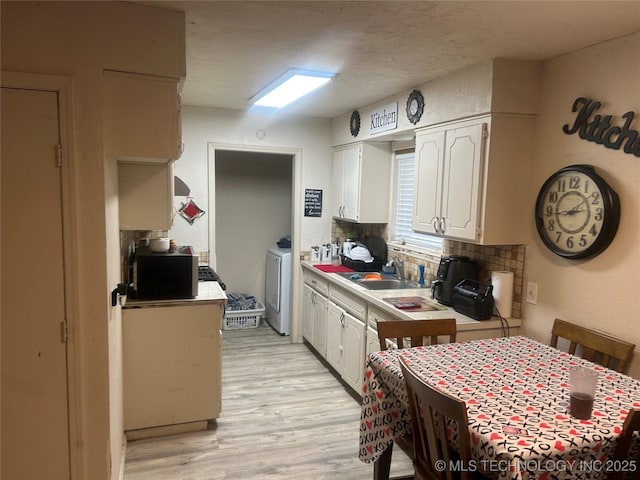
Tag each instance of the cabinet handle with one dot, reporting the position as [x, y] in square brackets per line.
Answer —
[436, 225]
[442, 225]
[342, 322]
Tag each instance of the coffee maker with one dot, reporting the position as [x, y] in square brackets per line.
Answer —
[451, 271]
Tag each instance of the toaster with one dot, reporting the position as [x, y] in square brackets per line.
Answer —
[473, 299]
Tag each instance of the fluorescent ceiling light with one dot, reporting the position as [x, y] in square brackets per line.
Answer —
[294, 84]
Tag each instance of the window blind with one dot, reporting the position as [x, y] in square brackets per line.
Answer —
[403, 206]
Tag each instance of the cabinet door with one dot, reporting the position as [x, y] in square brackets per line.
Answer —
[373, 343]
[145, 193]
[142, 117]
[319, 323]
[307, 314]
[427, 196]
[338, 182]
[353, 340]
[461, 181]
[335, 320]
[351, 182]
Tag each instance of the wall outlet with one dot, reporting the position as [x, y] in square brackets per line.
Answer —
[532, 292]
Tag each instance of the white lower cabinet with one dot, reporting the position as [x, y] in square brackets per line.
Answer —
[373, 317]
[345, 345]
[314, 318]
[373, 342]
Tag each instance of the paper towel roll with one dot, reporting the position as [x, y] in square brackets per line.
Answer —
[503, 291]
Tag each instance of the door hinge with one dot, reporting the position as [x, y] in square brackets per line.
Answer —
[59, 155]
[64, 332]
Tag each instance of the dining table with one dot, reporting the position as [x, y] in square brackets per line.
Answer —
[516, 390]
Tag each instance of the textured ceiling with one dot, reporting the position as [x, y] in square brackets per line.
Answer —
[378, 48]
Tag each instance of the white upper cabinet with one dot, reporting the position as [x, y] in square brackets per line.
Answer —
[471, 179]
[142, 120]
[361, 182]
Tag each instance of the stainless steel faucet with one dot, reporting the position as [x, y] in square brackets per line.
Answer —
[398, 266]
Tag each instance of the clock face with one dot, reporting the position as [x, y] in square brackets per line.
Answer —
[577, 213]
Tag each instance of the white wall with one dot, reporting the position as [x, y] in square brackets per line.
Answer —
[201, 126]
[601, 292]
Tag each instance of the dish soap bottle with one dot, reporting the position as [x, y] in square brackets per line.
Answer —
[421, 280]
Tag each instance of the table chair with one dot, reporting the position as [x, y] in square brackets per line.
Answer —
[430, 410]
[623, 448]
[598, 347]
[416, 330]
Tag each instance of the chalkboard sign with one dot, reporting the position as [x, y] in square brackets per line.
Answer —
[312, 203]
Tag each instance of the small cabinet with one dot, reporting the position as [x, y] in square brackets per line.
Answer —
[314, 318]
[471, 177]
[145, 193]
[345, 345]
[361, 182]
[447, 179]
[142, 119]
[172, 357]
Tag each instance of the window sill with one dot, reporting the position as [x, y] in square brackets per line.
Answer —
[428, 254]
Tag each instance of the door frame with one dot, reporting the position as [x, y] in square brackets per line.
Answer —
[297, 201]
[64, 88]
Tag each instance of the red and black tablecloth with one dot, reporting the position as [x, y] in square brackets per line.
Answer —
[512, 384]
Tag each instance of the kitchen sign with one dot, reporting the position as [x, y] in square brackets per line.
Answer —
[312, 203]
[384, 118]
[598, 128]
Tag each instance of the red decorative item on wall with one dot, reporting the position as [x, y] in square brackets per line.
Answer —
[190, 211]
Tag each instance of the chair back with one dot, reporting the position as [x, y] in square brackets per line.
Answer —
[416, 330]
[623, 448]
[431, 414]
[598, 347]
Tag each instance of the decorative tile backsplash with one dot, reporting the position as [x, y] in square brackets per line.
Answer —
[491, 258]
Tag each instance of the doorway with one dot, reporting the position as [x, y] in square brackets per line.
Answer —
[254, 201]
[35, 416]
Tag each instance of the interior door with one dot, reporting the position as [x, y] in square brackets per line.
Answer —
[35, 435]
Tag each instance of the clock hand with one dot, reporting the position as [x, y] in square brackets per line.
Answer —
[570, 212]
[575, 208]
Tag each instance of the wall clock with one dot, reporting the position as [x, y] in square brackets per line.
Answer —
[415, 106]
[577, 212]
[354, 123]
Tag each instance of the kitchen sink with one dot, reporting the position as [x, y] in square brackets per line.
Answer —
[387, 281]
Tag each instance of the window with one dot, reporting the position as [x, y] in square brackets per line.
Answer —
[404, 166]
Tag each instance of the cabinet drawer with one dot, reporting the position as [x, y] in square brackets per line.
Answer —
[316, 282]
[353, 305]
[376, 316]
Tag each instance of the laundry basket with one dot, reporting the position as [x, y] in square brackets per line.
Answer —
[236, 319]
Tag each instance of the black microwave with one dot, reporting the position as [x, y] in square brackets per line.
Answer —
[166, 276]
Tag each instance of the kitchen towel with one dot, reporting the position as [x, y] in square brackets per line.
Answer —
[503, 291]
[333, 268]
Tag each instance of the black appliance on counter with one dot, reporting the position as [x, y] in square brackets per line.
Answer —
[451, 271]
[473, 299]
[165, 276]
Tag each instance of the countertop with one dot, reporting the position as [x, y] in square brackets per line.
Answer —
[208, 293]
[375, 297]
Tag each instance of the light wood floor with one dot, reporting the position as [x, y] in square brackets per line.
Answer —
[284, 416]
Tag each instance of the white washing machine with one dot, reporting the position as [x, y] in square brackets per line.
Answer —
[278, 289]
